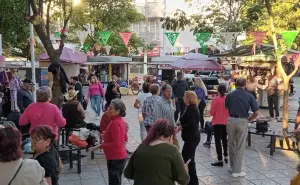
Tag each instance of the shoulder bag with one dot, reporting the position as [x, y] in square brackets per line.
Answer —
[15, 175]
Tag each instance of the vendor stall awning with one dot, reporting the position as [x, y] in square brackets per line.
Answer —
[108, 59]
[247, 50]
[195, 61]
[2, 58]
[68, 55]
[167, 58]
[257, 64]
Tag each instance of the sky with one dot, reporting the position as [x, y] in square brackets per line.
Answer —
[173, 5]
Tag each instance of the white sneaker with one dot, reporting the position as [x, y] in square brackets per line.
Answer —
[98, 117]
[235, 175]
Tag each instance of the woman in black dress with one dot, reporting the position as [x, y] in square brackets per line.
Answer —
[189, 124]
[111, 93]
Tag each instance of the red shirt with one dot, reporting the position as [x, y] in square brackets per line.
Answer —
[105, 119]
[115, 137]
[218, 111]
[43, 114]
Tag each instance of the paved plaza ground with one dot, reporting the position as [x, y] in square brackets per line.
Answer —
[260, 167]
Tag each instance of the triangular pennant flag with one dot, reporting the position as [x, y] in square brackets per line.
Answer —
[107, 48]
[56, 34]
[104, 37]
[258, 36]
[172, 36]
[289, 37]
[82, 35]
[126, 37]
[202, 38]
[86, 48]
[229, 38]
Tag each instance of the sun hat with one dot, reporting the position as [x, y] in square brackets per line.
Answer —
[71, 94]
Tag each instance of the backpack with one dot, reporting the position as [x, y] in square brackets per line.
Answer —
[180, 87]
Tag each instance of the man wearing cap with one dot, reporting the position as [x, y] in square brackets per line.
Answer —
[25, 96]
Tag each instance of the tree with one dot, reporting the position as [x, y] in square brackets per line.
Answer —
[113, 16]
[253, 15]
[41, 22]
[279, 50]
[13, 28]
[221, 16]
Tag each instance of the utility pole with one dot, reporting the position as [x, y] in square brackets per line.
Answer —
[146, 40]
[32, 55]
[164, 39]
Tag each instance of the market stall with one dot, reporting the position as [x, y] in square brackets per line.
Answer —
[70, 59]
[107, 67]
[161, 66]
[258, 66]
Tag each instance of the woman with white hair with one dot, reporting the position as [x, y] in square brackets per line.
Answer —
[201, 92]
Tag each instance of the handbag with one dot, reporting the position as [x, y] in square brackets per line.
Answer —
[15, 175]
[262, 126]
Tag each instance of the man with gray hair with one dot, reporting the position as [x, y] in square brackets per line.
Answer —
[238, 103]
[164, 108]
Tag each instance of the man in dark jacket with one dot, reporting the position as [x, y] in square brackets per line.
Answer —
[179, 87]
[78, 87]
[25, 96]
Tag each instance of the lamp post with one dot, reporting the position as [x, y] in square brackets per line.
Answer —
[32, 55]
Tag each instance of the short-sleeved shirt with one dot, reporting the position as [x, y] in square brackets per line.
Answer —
[50, 162]
[239, 102]
[148, 109]
[141, 97]
[164, 109]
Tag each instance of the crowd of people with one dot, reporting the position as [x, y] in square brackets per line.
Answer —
[162, 111]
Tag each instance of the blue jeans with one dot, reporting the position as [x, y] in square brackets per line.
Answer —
[96, 101]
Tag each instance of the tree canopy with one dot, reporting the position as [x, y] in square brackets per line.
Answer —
[112, 16]
[14, 30]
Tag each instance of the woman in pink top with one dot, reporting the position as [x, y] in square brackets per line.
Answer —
[96, 93]
[42, 112]
[219, 121]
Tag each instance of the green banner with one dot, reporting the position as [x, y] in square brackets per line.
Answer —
[172, 36]
[289, 37]
[104, 37]
[56, 34]
[202, 38]
[86, 48]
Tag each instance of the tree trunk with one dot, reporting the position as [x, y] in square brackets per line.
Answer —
[285, 113]
[279, 68]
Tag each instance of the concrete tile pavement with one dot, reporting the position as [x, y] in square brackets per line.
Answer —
[261, 168]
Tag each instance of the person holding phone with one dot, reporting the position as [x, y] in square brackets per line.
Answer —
[189, 124]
